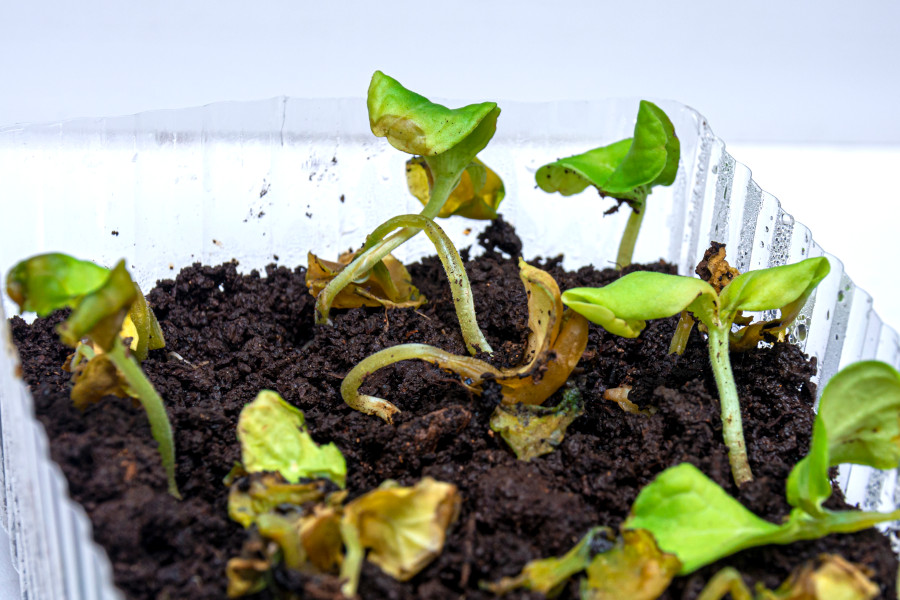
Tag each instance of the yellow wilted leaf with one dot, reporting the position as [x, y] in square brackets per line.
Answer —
[404, 528]
[555, 344]
[477, 195]
[635, 569]
[388, 285]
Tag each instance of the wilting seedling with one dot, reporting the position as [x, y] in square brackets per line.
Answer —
[448, 141]
[858, 422]
[102, 301]
[627, 170]
[623, 307]
[534, 430]
[630, 567]
[286, 498]
[833, 579]
[555, 344]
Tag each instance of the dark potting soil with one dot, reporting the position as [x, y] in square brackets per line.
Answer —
[230, 335]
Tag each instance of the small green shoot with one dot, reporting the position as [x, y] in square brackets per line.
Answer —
[623, 307]
[448, 140]
[626, 170]
[102, 301]
[696, 520]
[555, 344]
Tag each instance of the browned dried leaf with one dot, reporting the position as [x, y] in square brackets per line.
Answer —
[389, 286]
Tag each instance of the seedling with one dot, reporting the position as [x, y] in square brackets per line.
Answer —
[630, 567]
[280, 490]
[102, 301]
[626, 170]
[555, 344]
[448, 140]
[623, 307]
[833, 578]
[683, 520]
[858, 422]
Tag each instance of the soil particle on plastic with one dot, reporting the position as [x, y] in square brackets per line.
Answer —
[230, 335]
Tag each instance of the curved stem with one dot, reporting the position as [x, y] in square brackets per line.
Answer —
[732, 427]
[377, 248]
[629, 236]
[153, 406]
[470, 369]
[453, 266]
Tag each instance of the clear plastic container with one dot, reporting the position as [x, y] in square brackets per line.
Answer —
[267, 181]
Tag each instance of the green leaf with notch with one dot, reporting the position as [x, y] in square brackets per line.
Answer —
[274, 437]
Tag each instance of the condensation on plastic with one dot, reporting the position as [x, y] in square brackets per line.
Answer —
[267, 181]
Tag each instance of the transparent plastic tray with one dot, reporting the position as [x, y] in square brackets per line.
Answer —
[268, 181]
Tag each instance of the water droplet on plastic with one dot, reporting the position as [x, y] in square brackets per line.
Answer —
[715, 169]
[840, 296]
[827, 315]
[787, 219]
[801, 332]
[762, 244]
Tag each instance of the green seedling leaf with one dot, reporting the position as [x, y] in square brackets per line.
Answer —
[403, 528]
[548, 575]
[786, 288]
[635, 569]
[261, 493]
[624, 306]
[274, 437]
[693, 518]
[533, 431]
[858, 422]
[388, 284]
[477, 196]
[48, 282]
[624, 168]
[414, 124]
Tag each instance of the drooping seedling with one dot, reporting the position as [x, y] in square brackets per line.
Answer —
[556, 342]
[626, 170]
[858, 422]
[107, 306]
[624, 306]
[284, 494]
[448, 141]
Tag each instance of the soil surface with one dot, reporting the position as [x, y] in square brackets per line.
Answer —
[230, 335]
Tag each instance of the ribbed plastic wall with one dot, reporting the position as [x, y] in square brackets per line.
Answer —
[267, 181]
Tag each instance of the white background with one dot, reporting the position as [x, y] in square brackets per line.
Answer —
[805, 93]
